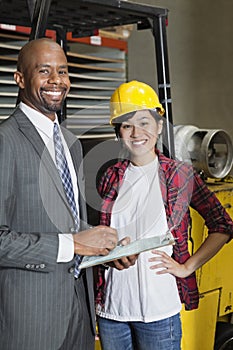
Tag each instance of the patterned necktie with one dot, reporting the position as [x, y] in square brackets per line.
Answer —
[65, 176]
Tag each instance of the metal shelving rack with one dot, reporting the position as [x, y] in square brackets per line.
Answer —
[95, 72]
[84, 17]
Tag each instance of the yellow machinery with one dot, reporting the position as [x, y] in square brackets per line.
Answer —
[209, 327]
[215, 284]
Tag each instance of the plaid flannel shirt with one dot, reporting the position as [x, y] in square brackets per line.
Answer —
[181, 187]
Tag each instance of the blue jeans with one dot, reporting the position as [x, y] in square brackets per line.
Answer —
[159, 335]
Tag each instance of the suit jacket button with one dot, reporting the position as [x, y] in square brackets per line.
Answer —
[71, 270]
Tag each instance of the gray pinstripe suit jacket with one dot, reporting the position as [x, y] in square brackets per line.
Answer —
[36, 293]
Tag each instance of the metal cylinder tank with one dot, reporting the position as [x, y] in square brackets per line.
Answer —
[210, 151]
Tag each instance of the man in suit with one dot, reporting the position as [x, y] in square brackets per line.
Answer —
[43, 306]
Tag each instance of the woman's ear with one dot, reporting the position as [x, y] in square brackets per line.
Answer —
[160, 126]
[19, 79]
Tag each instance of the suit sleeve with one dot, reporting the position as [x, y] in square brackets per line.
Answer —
[20, 249]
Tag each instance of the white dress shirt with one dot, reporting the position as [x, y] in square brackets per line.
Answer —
[44, 126]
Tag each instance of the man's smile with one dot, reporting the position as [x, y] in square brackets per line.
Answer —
[52, 93]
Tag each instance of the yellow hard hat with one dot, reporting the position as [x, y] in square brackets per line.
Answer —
[132, 97]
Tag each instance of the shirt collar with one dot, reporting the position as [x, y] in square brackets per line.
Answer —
[39, 120]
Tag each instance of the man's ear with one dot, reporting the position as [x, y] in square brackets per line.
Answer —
[19, 79]
[160, 126]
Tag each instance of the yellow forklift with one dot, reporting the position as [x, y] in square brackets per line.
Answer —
[210, 326]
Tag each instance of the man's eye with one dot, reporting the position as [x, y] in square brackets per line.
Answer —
[44, 71]
[63, 72]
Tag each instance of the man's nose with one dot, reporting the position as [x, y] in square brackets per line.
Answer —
[54, 78]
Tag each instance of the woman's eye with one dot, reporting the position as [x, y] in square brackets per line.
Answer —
[126, 126]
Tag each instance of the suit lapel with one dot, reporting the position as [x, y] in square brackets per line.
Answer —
[31, 134]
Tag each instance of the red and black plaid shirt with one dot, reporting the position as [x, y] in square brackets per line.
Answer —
[181, 187]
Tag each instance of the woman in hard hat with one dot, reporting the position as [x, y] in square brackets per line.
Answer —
[144, 195]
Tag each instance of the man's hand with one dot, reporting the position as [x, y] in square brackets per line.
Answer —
[99, 240]
[125, 262]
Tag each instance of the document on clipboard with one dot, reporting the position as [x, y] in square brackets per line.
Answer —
[136, 247]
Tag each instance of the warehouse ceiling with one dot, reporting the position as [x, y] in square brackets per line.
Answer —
[82, 17]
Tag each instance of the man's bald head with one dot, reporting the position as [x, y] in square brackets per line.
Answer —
[28, 50]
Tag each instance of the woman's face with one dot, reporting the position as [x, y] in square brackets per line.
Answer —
[139, 135]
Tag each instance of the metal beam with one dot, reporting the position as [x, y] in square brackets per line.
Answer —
[164, 87]
[38, 10]
[61, 39]
[31, 7]
[40, 18]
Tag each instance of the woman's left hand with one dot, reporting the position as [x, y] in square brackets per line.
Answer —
[166, 264]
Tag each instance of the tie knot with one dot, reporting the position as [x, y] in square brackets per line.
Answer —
[55, 128]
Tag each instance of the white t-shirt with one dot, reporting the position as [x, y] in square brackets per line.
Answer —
[137, 293]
